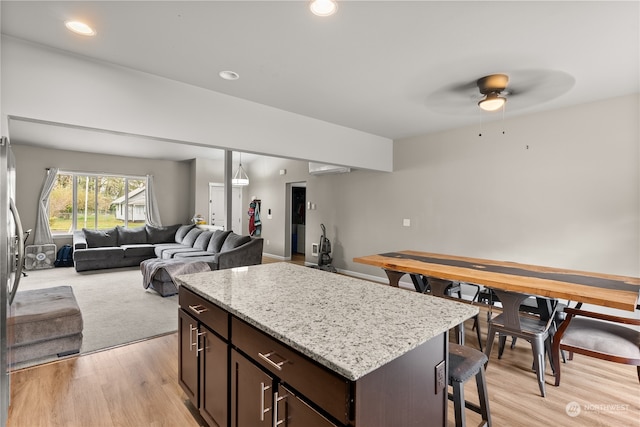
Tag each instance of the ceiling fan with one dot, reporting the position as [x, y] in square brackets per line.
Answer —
[521, 88]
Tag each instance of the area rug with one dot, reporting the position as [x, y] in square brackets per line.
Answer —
[115, 308]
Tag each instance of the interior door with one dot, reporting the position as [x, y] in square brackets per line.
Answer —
[217, 211]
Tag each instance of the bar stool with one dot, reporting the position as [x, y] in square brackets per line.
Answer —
[465, 362]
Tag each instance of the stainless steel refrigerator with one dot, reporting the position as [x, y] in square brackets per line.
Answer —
[11, 262]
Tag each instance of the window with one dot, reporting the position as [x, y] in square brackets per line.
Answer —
[96, 202]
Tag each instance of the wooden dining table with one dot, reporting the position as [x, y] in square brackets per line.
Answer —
[608, 290]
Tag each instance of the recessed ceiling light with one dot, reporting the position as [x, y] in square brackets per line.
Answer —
[323, 7]
[229, 75]
[80, 28]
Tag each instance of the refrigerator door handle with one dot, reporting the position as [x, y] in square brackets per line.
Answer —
[20, 260]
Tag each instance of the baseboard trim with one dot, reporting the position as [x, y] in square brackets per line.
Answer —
[278, 257]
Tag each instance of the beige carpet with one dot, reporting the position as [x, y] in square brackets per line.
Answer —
[115, 308]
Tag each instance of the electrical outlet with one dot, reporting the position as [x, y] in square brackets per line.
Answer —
[267, 241]
[441, 377]
[406, 222]
[314, 249]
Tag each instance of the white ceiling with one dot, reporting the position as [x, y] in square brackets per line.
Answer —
[383, 67]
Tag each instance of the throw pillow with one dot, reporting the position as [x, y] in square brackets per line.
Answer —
[191, 237]
[182, 231]
[203, 240]
[101, 238]
[234, 240]
[217, 240]
[161, 234]
[131, 236]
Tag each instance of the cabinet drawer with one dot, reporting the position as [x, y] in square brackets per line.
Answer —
[298, 413]
[326, 389]
[205, 312]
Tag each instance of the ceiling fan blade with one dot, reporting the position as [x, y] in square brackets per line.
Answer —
[525, 88]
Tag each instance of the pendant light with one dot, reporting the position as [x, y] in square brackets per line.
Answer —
[240, 177]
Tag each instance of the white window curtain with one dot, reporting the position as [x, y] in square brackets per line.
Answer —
[42, 234]
[152, 211]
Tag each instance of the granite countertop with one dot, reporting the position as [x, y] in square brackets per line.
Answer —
[349, 325]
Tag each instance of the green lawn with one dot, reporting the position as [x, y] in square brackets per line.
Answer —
[63, 225]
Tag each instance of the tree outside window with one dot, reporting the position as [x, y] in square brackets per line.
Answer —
[96, 202]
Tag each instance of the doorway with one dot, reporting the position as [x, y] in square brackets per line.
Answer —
[298, 219]
[217, 211]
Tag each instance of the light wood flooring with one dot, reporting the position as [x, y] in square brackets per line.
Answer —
[137, 385]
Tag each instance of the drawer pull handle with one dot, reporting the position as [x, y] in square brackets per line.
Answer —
[276, 421]
[198, 309]
[265, 357]
[263, 411]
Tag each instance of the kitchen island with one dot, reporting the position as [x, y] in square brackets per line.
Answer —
[281, 344]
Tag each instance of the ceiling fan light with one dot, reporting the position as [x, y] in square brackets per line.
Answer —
[492, 102]
[323, 7]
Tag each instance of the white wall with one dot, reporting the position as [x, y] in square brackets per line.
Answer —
[45, 84]
[571, 199]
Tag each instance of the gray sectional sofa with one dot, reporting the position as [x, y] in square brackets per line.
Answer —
[126, 247]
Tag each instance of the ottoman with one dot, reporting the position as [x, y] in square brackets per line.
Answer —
[44, 322]
[158, 274]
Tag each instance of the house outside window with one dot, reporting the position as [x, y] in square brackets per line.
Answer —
[97, 202]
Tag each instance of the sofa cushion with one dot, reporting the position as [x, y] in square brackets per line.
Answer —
[160, 247]
[191, 237]
[161, 234]
[217, 240]
[131, 236]
[191, 254]
[182, 231]
[94, 254]
[101, 238]
[171, 252]
[138, 250]
[202, 241]
[234, 240]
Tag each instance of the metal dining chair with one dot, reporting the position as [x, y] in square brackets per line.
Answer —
[449, 289]
[534, 329]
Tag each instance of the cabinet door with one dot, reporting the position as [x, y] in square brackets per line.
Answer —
[188, 356]
[293, 412]
[213, 378]
[251, 394]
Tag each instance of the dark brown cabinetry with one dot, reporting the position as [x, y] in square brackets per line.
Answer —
[203, 359]
[259, 400]
[238, 375]
[251, 394]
